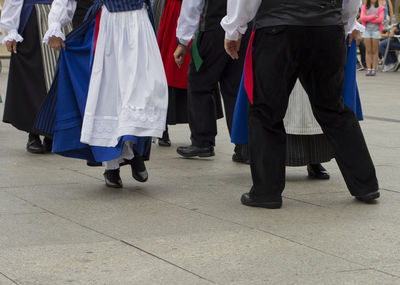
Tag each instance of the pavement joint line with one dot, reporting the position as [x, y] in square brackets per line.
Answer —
[8, 278]
[260, 230]
[375, 118]
[387, 273]
[113, 238]
[36, 185]
[390, 190]
[167, 261]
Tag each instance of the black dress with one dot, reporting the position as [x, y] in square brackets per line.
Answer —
[26, 88]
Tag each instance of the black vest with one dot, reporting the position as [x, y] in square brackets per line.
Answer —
[213, 12]
[299, 13]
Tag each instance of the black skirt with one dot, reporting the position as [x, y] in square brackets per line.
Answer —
[26, 88]
[307, 149]
[177, 105]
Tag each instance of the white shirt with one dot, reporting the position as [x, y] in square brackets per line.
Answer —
[61, 14]
[189, 20]
[241, 12]
[10, 18]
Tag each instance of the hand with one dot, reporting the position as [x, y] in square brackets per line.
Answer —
[232, 47]
[392, 32]
[12, 46]
[179, 54]
[56, 43]
[355, 35]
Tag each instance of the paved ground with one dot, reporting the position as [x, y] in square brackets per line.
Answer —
[60, 225]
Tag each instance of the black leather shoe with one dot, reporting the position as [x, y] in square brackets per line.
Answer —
[47, 145]
[369, 198]
[164, 141]
[139, 171]
[112, 178]
[241, 154]
[34, 144]
[193, 151]
[247, 200]
[317, 171]
[92, 163]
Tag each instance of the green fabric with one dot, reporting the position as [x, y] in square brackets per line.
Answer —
[198, 61]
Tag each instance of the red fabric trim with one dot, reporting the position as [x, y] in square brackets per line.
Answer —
[96, 30]
[248, 69]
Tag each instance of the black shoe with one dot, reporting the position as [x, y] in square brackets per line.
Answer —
[92, 163]
[370, 197]
[47, 145]
[247, 200]
[192, 151]
[34, 144]
[139, 171]
[112, 178]
[241, 154]
[317, 171]
[164, 141]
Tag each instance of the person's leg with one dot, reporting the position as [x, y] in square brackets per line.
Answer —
[322, 77]
[275, 73]
[368, 51]
[375, 53]
[202, 82]
[362, 53]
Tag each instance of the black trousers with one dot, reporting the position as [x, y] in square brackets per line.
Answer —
[217, 67]
[317, 56]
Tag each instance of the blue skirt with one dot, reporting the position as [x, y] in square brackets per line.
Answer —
[61, 115]
[351, 96]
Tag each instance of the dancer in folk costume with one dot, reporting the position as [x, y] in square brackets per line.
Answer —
[32, 66]
[109, 96]
[306, 145]
[298, 40]
[210, 66]
[176, 76]
[166, 14]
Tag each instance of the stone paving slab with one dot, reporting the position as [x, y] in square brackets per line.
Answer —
[90, 264]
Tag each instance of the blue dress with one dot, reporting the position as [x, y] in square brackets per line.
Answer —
[61, 115]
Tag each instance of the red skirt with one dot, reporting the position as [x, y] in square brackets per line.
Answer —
[176, 77]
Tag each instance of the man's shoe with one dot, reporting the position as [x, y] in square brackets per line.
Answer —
[241, 154]
[261, 203]
[92, 163]
[240, 159]
[359, 67]
[112, 178]
[164, 141]
[317, 171]
[47, 145]
[192, 151]
[34, 144]
[370, 197]
[139, 171]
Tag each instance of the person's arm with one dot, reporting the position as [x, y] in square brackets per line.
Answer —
[10, 19]
[380, 18]
[364, 17]
[240, 13]
[61, 14]
[350, 11]
[390, 11]
[189, 20]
